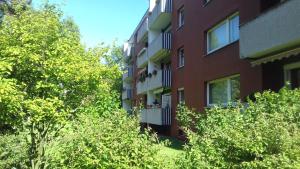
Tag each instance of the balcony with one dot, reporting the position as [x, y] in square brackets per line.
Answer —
[160, 47]
[128, 51]
[127, 94]
[273, 32]
[161, 15]
[142, 31]
[142, 58]
[160, 79]
[127, 76]
[156, 116]
[142, 87]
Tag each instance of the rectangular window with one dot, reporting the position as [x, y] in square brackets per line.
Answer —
[292, 75]
[181, 95]
[180, 57]
[180, 17]
[223, 34]
[223, 91]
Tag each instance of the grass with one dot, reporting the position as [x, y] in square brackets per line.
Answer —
[169, 152]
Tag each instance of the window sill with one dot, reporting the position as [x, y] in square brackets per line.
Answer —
[222, 47]
[180, 67]
[180, 27]
[223, 105]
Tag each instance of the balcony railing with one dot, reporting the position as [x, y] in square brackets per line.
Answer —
[160, 47]
[127, 94]
[160, 17]
[157, 116]
[142, 31]
[161, 79]
[127, 76]
[142, 87]
[142, 58]
[128, 51]
[274, 31]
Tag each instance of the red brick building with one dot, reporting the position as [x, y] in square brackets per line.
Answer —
[207, 52]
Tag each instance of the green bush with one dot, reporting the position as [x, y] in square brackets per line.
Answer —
[13, 151]
[104, 142]
[263, 134]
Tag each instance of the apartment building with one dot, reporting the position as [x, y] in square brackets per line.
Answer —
[207, 52]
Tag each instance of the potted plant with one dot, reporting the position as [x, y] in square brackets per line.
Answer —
[154, 72]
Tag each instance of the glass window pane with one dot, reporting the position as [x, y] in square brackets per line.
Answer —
[235, 89]
[234, 28]
[181, 96]
[218, 92]
[218, 37]
[181, 57]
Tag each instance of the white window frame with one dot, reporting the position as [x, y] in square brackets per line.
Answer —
[227, 23]
[181, 60]
[179, 95]
[228, 89]
[180, 17]
[287, 71]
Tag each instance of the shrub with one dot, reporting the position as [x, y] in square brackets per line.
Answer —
[13, 151]
[113, 141]
[263, 134]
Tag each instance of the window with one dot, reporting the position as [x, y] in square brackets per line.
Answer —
[180, 57]
[223, 34]
[223, 91]
[292, 75]
[181, 95]
[206, 1]
[181, 17]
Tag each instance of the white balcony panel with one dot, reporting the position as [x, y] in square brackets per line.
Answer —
[155, 81]
[142, 58]
[143, 30]
[160, 47]
[127, 76]
[275, 31]
[127, 106]
[161, 15]
[142, 87]
[154, 116]
[127, 94]
[143, 117]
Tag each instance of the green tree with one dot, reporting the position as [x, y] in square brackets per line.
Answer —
[46, 76]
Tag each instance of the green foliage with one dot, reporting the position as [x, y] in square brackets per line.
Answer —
[111, 141]
[263, 134]
[13, 151]
[47, 76]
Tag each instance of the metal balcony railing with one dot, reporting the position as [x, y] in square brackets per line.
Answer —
[128, 74]
[162, 78]
[127, 94]
[157, 116]
[160, 16]
[160, 47]
[142, 58]
[142, 31]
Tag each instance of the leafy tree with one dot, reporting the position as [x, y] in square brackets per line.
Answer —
[46, 76]
[263, 134]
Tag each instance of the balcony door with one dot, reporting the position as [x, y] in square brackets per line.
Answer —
[166, 100]
[292, 74]
[295, 78]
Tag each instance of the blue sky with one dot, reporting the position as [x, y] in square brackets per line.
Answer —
[103, 20]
